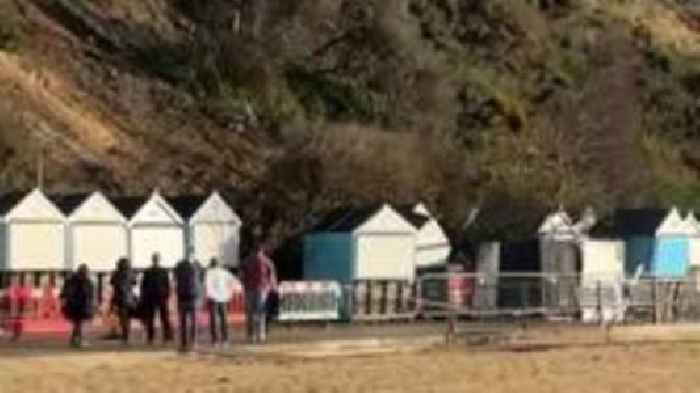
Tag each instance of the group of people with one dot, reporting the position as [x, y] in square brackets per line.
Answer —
[194, 286]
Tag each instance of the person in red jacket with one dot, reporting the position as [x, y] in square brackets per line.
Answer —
[19, 295]
[259, 280]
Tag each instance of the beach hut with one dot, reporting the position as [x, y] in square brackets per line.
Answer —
[558, 244]
[432, 245]
[657, 241]
[154, 226]
[361, 243]
[32, 233]
[602, 259]
[602, 275]
[98, 233]
[693, 226]
[560, 259]
[212, 227]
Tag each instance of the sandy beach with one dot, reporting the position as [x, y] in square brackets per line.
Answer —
[668, 367]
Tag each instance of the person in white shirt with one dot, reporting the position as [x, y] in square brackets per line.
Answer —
[219, 285]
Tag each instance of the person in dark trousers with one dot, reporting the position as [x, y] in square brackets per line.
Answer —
[78, 303]
[220, 284]
[187, 281]
[155, 293]
[123, 299]
[259, 280]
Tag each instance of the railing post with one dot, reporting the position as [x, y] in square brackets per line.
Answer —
[599, 302]
[418, 296]
[543, 291]
[654, 301]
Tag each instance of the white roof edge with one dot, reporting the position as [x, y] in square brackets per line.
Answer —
[673, 212]
[157, 197]
[10, 212]
[36, 191]
[215, 194]
[421, 208]
[387, 206]
[95, 194]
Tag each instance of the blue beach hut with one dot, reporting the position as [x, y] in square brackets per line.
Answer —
[657, 241]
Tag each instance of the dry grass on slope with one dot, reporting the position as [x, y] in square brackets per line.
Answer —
[62, 118]
[665, 24]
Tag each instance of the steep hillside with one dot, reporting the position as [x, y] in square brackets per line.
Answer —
[514, 106]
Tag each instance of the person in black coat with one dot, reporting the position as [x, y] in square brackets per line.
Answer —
[123, 298]
[78, 298]
[188, 288]
[155, 292]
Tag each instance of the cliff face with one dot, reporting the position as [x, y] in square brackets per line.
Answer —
[293, 107]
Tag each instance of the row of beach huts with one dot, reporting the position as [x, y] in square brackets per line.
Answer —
[387, 260]
[40, 232]
[51, 232]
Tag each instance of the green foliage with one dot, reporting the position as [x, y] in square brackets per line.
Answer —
[518, 105]
[11, 34]
[330, 99]
[686, 196]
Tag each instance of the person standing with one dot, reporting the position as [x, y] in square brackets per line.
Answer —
[259, 280]
[155, 293]
[78, 303]
[220, 284]
[123, 298]
[187, 281]
[19, 295]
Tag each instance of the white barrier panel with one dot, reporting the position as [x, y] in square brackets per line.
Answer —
[309, 300]
[602, 301]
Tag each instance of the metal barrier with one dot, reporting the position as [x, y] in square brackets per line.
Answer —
[376, 300]
[588, 298]
[29, 301]
[309, 301]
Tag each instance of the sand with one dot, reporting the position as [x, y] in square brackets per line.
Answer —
[666, 367]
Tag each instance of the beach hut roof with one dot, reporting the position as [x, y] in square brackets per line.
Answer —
[630, 222]
[9, 200]
[350, 218]
[346, 219]
[638, 221]
[414, 214]
[187, 205]
[68, 203]
[128, 205]
[693, 223]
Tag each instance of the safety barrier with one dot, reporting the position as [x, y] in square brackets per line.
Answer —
[455, 292]
[380, 300]
[309, 300]
[588, 298]
[30, 303]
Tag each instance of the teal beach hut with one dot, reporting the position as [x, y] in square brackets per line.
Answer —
[361, 243]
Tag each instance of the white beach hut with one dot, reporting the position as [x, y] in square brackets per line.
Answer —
[154, 226]
[602, 275]
[693, 227]
[32, 233]
[432, 245]
[212, 227]
[98, 234]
